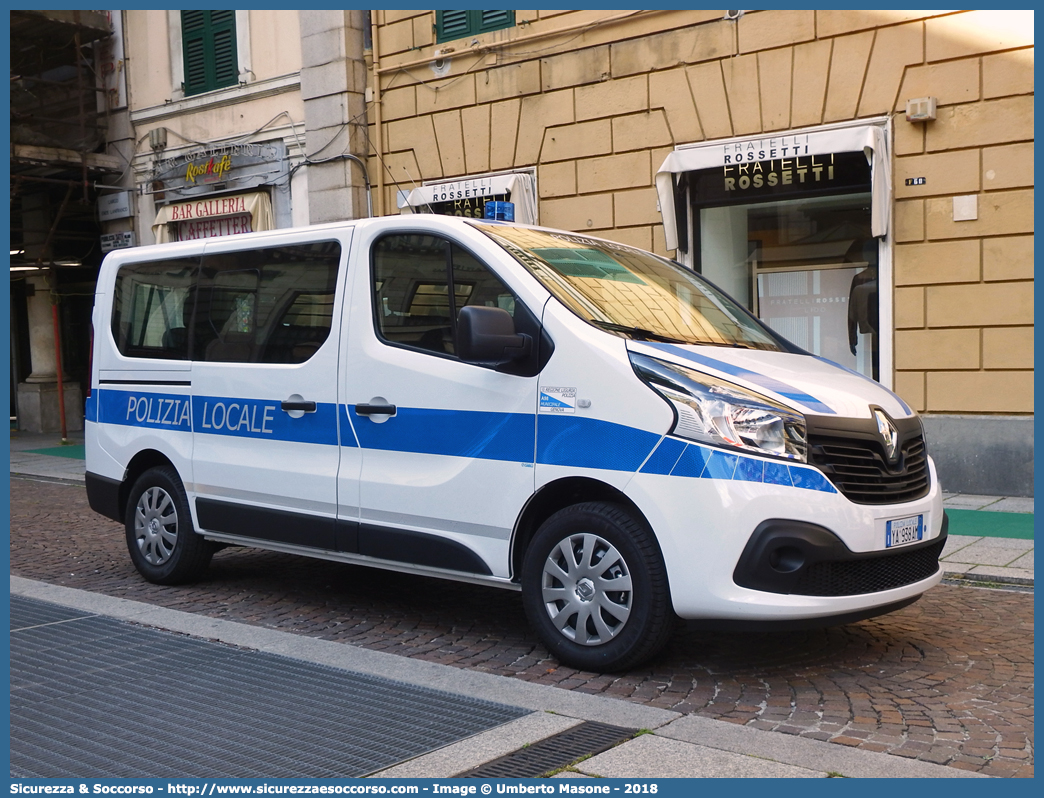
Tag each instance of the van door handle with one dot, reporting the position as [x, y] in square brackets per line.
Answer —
[375, 410]
[289, 405]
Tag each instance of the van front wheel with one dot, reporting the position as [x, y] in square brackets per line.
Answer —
[161, 540]
[595, 588]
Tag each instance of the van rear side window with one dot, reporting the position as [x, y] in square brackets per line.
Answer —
[271, 305]
[152, 307]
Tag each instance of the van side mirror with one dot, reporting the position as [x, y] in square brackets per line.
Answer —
[487, 335]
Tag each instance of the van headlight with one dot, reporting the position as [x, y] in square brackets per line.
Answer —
[721, 413]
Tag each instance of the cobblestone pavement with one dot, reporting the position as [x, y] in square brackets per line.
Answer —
[947, 680]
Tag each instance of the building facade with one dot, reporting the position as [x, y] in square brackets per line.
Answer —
[244, 120]
[862, 181]
[136, 127]
[69, 130]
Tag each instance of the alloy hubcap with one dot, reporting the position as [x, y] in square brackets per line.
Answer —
[156, 526]
[586, 589]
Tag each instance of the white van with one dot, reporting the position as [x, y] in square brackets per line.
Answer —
[528, 408]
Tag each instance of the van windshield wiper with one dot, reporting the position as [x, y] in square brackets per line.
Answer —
[638, 333]
[730, 344]
[642, 334]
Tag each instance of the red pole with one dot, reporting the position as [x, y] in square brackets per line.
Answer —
[58, 364]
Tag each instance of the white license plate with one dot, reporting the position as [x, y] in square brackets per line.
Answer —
[904, 530]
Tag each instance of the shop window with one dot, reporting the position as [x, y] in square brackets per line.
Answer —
[152, 307]
[791, 240]
[421, 282]
[807, 268]
[451, 25]
[209, 45]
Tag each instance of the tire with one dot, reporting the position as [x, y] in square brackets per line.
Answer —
[162, 542]
[574, 559]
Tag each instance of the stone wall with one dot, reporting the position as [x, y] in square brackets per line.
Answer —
[597, 108]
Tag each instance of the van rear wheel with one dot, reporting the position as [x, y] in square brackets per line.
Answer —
[595, 588]
[162, 542]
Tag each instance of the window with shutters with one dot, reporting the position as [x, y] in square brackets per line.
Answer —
[458, 24]
[209, 42]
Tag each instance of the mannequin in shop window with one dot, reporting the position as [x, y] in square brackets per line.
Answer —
[862, 299]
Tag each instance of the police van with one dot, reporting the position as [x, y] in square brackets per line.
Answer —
[528, 408]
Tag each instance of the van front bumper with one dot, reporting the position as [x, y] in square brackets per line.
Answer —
[809, 560]
[752, 551]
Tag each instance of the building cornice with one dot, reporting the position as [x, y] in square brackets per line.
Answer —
[220, 98]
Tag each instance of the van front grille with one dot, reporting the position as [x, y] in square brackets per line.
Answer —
[858, 468]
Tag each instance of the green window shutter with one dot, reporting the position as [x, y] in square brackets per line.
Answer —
[458, 24]
[226, 59]
[209, 43]
[193, 37]
[451, 25]
[495, 20]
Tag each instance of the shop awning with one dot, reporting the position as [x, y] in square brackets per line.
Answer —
[520, 185]
[872, 140]
[255, 204]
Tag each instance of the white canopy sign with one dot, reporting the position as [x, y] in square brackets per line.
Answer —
[519, 184]
[871, 139]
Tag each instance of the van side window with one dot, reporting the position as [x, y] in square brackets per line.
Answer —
[272, 305]
[152, 306]
[420, 284]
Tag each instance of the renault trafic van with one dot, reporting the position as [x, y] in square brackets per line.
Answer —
[528, 408]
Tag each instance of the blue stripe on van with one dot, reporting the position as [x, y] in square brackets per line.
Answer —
[769, 383]
[453, 433]
[563, 440]
[90, 407]
[263, 419]
[348, 432]
[589, 443]
[692, 462]
[167, 411]
[663, 459]
[704, 462]
[215, 415]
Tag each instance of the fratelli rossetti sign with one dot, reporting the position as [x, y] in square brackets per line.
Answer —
[850, 158]
[780, 167]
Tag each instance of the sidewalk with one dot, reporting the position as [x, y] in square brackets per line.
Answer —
[991, 537]
[659, 743]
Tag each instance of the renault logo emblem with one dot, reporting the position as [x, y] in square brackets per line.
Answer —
[889, 435]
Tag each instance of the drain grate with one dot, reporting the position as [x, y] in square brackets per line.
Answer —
[555, 752]
[97, 697]
[26, 613]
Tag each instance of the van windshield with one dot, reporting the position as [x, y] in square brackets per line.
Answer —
[629, 292]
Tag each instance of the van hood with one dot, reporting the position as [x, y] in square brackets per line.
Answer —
[809, 384]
